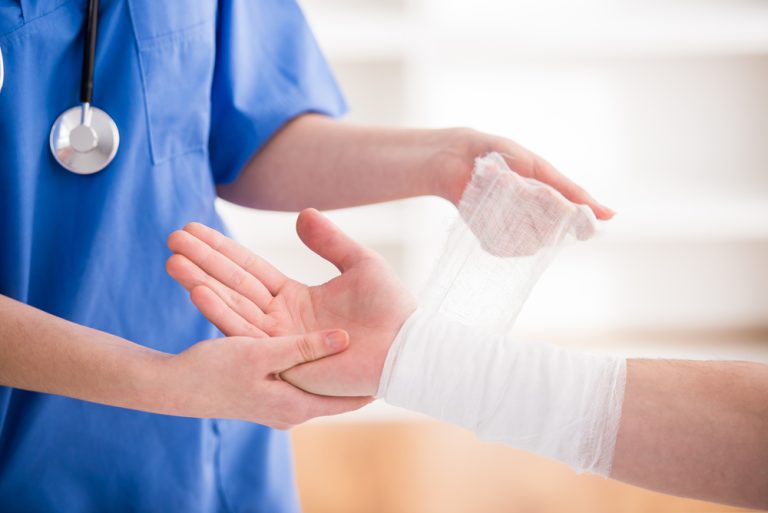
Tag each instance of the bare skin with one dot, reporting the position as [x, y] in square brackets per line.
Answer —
[224, 378]
[695, 429]
[315, 161]
[244, 294]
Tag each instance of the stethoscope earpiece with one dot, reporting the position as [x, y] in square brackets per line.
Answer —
[85, 139]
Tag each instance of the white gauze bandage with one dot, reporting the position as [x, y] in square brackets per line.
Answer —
[454, 358]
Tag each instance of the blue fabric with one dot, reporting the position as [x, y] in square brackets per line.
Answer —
[195, 88]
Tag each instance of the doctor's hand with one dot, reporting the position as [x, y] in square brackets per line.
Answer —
[238, 378]
[462, 145]
[244, 295]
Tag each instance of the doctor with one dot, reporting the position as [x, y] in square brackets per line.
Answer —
[174, 103]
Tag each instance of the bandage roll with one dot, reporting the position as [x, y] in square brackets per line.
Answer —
[509, 230]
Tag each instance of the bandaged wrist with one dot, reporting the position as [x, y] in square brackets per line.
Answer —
[559, 403]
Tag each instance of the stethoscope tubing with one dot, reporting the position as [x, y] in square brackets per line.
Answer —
[89, 52]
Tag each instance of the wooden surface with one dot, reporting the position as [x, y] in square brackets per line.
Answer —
[428, 467]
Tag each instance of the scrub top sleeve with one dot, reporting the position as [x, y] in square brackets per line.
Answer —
[269, 69]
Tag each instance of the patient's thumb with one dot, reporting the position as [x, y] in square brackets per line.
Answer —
[327, 240]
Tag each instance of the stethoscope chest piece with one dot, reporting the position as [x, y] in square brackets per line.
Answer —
[84, 139]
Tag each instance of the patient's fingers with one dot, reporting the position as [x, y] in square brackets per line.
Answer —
[221, 315]
[190, 275]
[242, 256]
[219, 267]
[326, 239]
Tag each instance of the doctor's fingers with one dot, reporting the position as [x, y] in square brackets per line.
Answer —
[221, 315]
[295, 405]
[219, 267]
[262, 270]
[189, 275]
[536, 167]
[289, 351]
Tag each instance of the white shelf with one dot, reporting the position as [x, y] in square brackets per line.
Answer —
[491, 29]
[618, 28]
[721, 220]
[361, 32]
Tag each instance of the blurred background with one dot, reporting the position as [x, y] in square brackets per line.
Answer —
[660, 109]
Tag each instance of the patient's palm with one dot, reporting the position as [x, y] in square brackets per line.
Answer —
[367, 300]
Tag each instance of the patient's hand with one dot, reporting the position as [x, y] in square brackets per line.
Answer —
[244, 295]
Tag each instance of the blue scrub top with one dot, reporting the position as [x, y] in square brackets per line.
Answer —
[195, 87]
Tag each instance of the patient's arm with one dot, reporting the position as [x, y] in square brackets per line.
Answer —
[696, 429]
[241, 293]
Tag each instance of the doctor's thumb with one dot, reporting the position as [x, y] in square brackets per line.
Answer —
[288, 352]
[327, 240]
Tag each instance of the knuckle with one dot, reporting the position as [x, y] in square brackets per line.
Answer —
[465, 133]
[306, 348]
[579, 191]
[206, 255]
[250, 262]
[236, 299]
[251, 331]
[237, 278]
[216, 240]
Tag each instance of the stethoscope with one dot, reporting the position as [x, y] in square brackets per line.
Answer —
[84, 139]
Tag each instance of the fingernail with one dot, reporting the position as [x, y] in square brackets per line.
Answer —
[336, 339]
[609, 211]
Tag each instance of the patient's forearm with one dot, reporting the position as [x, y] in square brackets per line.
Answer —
[44, 353]
[698, 429]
